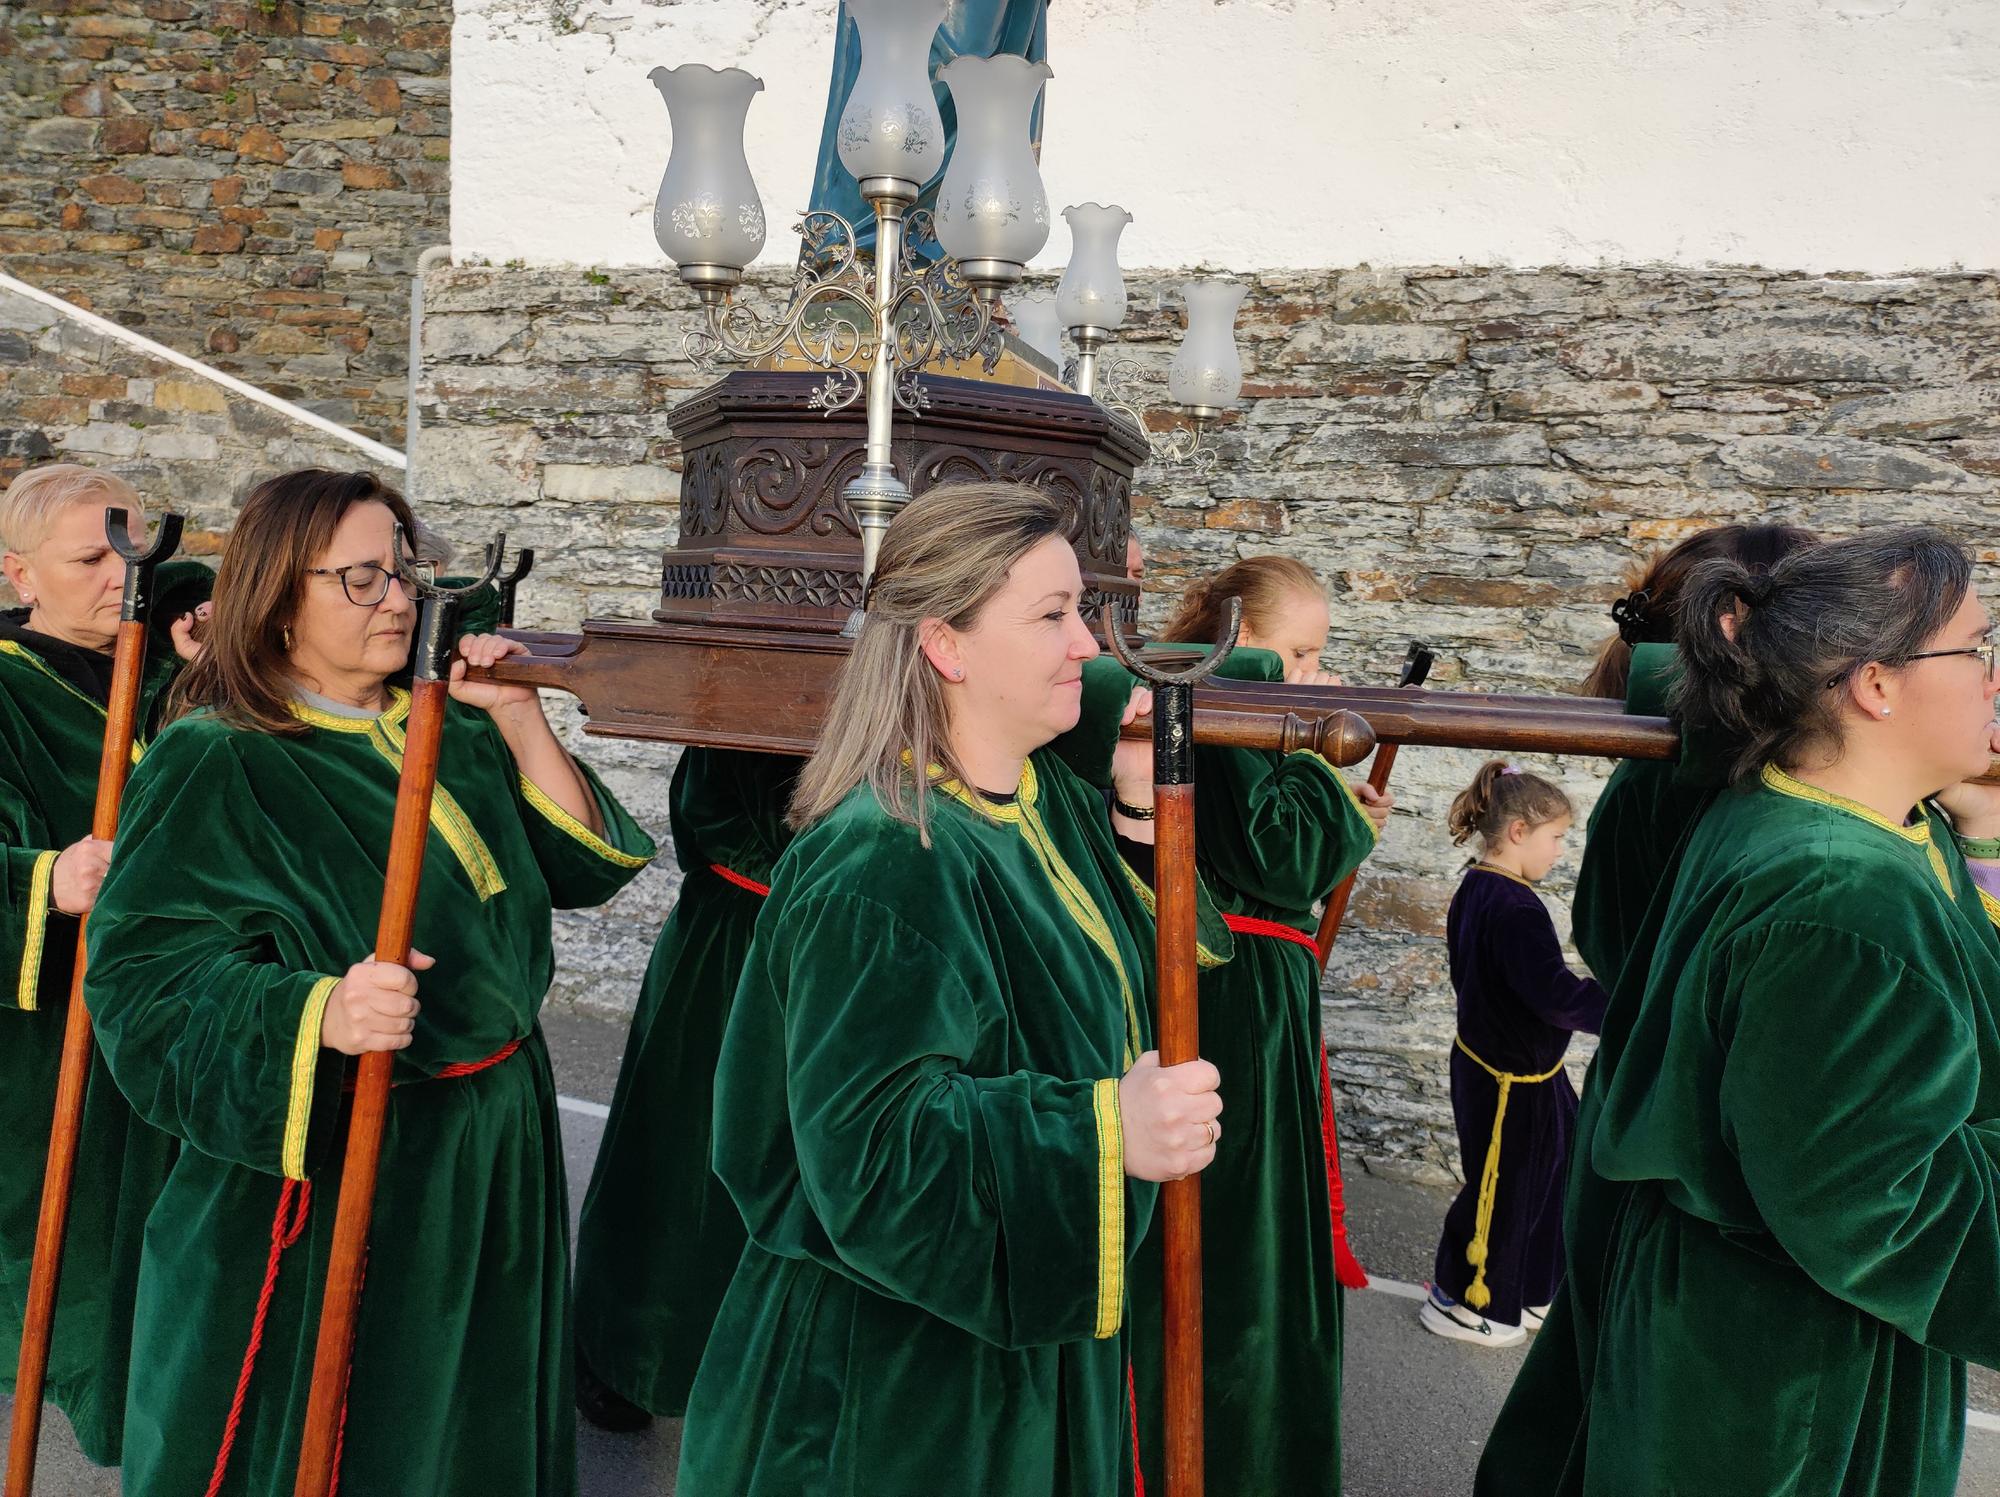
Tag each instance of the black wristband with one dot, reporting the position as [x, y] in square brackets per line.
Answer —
[1131, 813]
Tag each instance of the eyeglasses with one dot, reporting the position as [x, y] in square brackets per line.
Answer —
[1987, 654]
[366, 583]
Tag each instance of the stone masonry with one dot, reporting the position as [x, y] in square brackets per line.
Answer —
[1470, 457]
[69, 393]
[246, 181]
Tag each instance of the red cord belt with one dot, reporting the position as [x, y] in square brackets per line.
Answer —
[731, 876]
[294, 1199]
[1346, 1267]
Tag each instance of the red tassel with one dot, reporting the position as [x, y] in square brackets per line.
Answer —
[285, 1229]
[1347, 1268]
[1132, 1399]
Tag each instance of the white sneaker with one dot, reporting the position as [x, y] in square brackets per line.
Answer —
[1532, 1316]
[1444, 1316]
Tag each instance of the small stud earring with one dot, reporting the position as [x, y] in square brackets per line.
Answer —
[958, 675]
[1885, 711]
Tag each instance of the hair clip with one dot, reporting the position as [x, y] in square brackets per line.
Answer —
[1629, 614]
[1510, 769]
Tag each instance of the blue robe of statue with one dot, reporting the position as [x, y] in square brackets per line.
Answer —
[977, 28]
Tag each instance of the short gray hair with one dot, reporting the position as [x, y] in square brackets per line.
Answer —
[29, 508]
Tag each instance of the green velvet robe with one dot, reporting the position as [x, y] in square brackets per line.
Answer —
[1274, 833]
[660, 1237]
[917, 1114]
[1646, 809]
[1803, 1136]
[251, 878]
[51, 737]
[1638, 834]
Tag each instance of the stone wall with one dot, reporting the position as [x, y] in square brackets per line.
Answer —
[70, 393]
[246, 181]
[1469, 457]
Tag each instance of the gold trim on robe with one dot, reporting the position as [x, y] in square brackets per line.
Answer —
[20, 652]
[563, 821]
[1203, 957]
[1918, 835]
[448, 819]
[30, 979]
[1075, 900]
[305, 1059]
[1110, 1208]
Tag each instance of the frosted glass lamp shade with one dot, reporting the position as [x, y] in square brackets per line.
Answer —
[1036, 321]
[992, 215]
[891, 126]
[1207, 372]
[1092, 293]
[708, 217]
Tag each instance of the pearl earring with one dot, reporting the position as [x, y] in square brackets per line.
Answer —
[1885, 711]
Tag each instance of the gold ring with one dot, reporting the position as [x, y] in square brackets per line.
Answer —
[1213, 1132]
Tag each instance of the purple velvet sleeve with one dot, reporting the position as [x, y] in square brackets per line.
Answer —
[1531, 957]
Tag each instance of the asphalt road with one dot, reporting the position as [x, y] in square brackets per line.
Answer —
[1417, 1407]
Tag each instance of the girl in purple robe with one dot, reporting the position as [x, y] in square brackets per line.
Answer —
[1500, 1258]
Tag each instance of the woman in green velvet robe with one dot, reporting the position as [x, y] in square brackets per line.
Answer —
[1638, 830]
[1648, 806]
[1274, 833]
[936, 1107]
[660, 1237]
[55, 680]
[231, 980]
[1798, 1142]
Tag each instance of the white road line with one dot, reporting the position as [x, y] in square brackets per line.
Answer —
[1974, 1418]
[1397, 1287]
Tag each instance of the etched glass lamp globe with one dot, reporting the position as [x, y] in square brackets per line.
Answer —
[1039, 326]
[992, 214]
[1092, 292]
[891, 135]
[1207, 373]
[707, 216]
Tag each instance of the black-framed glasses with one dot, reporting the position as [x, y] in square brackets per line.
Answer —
[366, 583]
[1987, 654]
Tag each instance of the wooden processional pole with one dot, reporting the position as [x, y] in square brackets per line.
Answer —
[1416, 670]
[1174, 884]
[429, 690]
[73, 1074]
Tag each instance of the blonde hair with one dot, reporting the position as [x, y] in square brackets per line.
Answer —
[1264, 583]
[944, 557]
[1501, 794]
[29, 508]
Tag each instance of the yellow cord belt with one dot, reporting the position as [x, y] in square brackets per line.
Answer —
[1479, 1296]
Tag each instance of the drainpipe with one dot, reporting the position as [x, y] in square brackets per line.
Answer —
[436, 254]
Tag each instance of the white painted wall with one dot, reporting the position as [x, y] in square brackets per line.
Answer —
[1252, 134]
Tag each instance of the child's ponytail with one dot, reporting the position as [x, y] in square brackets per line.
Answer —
[1501, 794]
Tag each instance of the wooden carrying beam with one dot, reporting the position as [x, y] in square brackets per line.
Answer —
[727, 687]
